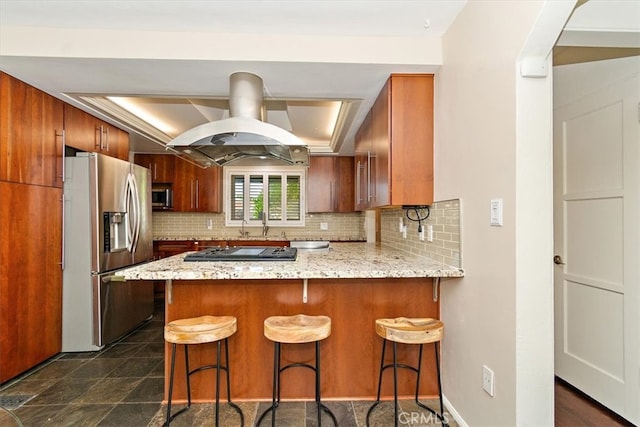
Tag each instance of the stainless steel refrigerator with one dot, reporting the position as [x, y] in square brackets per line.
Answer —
[107, 226]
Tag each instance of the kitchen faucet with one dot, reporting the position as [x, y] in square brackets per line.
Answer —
[265, 227]
[242, 232]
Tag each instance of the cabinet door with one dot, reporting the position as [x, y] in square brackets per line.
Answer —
[330, 184]
[344, 185]
[31, 142]
[380, 143]
[183, 189]
[85, 132]
[320, 184]
[30, 277]
[196, 189]
[411, 140]
[115, 142]
[362, 166]
[208, 189]
[82, 130]
[174, 247]
[161, 166]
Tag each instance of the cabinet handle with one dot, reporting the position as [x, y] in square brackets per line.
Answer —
[191, 191]
[197, 194]
[106, 140]
[60, 135]
[358, 199]
[369, 196]
[334, 196]
[98, 139]
[63, 224]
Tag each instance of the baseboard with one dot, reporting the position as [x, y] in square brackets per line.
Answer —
[452, 411]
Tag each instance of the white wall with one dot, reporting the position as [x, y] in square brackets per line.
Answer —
[493, 140]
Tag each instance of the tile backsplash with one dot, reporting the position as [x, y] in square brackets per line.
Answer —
[444, 217]
[170, 225]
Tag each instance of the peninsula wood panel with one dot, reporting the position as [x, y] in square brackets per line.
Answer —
[350, 355]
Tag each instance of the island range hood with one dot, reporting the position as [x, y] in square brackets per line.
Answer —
[243, 135]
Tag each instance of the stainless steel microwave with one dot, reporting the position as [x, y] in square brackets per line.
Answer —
[162, 198]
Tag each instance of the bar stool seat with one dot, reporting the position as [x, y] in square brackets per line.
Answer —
[201, 330]
[297, 329]
[405, 330]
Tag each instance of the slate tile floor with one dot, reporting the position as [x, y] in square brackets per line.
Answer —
[122, 386]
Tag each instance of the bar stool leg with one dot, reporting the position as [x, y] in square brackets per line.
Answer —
[384, 346]
[439, 415]
[218, 355]
[395, 384]
[188, 374]
[319, 405]
[418, 373]
[439, 384]
[173, 366]
[275, 394]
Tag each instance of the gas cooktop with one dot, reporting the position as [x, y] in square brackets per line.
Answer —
[244, 253]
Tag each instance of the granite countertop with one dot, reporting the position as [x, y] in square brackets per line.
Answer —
[258, 238]
[343, 260]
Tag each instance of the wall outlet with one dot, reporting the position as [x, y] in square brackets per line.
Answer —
[209, 224]
[429, 233]
[404, 231]
[324, 226]
[487, 380]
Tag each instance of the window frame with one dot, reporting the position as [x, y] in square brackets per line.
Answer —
[265, 171]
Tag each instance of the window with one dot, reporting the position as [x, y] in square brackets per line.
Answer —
[274, 191]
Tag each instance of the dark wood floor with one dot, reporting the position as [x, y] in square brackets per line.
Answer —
[575, 409]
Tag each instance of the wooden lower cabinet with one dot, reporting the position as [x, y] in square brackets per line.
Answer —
[30, 277]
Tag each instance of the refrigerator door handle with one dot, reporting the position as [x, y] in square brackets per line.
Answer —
[132, 201]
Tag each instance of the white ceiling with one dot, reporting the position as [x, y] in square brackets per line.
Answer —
[178, 55]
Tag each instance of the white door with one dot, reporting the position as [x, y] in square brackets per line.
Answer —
[597, 235]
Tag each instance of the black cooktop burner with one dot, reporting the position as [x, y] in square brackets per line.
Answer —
[244, 253]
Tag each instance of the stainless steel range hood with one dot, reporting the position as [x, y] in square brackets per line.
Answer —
[244, 134]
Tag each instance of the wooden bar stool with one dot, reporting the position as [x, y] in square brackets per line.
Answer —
[295, 330]
[200, 330]
[409, 331]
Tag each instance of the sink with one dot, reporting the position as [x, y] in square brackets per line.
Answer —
[317, 245]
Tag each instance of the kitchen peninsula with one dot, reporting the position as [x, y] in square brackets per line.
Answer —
[353, 283]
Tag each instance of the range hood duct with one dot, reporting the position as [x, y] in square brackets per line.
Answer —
[244, 134]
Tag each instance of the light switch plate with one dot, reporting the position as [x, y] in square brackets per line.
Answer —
[324, 226]
[496, 212]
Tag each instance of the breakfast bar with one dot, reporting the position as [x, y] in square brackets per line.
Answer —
[352, 283]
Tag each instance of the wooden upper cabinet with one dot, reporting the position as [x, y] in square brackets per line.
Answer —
[85, 132]
[400, 160]
[330, 184]
[161, 165]
[196, 189]
[31, 134]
